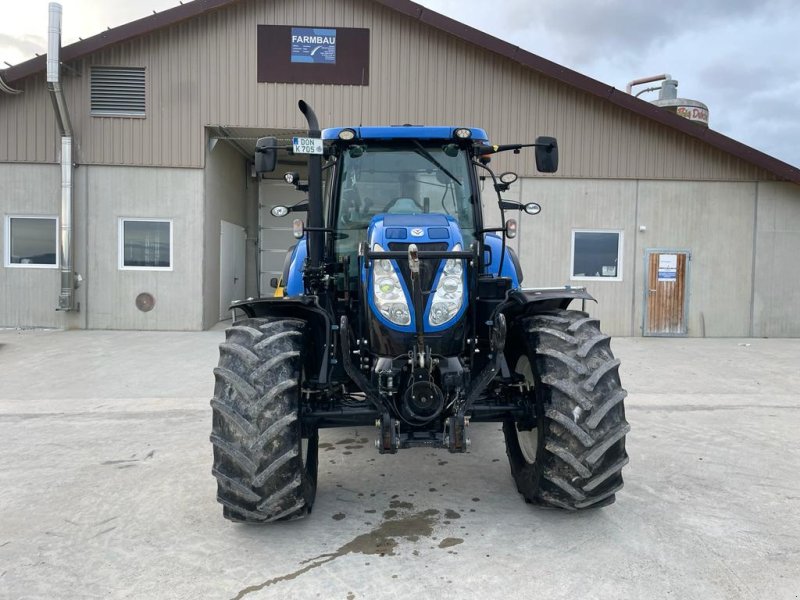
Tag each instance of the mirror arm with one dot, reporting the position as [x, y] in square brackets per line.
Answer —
[511, 205]
[264, 149]
[301, 206]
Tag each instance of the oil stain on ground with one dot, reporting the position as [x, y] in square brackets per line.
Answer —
[380, 541]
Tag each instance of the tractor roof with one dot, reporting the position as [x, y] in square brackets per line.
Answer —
[405, 132]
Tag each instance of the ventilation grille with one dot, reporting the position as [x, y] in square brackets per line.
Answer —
[118, 91]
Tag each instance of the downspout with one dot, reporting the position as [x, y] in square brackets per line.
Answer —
[66, 299]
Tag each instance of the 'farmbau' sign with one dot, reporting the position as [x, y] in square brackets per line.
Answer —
[313, 45]
[313, 55]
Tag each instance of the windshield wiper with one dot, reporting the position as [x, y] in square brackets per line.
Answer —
[423, 152]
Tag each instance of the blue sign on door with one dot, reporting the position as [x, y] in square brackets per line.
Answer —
[310, 45]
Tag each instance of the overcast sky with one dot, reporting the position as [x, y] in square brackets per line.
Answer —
[740, 57]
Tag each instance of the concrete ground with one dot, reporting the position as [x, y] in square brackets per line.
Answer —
[106, 490]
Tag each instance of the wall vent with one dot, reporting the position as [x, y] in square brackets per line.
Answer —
[118, 91]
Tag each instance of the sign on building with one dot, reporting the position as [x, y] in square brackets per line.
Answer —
[313, 45]
[316, 55]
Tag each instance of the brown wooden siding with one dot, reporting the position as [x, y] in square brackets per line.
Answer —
[203, 72]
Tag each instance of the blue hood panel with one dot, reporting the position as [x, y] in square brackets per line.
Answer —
[421, 229]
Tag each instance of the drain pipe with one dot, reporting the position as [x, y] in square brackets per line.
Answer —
[66, 299]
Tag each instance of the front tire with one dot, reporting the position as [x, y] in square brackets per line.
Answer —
[570, 451]
[263, 471]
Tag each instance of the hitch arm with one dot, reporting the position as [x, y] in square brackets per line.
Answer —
[416, 296]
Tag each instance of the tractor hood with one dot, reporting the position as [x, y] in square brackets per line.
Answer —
[388, 281]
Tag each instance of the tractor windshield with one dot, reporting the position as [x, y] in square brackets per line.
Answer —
[401, 179]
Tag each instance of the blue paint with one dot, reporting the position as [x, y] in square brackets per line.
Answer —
[402, 132]
[495, 242]
[294, 286]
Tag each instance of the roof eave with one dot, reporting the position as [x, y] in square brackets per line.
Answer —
[117, 35]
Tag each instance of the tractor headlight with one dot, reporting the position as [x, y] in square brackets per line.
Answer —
[449, 295]
[390, 299]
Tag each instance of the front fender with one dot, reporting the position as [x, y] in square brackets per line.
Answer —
[525, 302]
[319, 345]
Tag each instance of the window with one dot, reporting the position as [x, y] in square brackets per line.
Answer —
[145, 244]
[31, 242]
[597, 255]
[118, 91]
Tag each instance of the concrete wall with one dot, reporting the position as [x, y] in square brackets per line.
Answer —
[776, 297]
[226, 192]
[545, 239]
[116, 192]
[713, 220]
[29, 296]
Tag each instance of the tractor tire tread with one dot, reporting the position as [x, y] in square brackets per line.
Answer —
[581, 413]
[260, 473]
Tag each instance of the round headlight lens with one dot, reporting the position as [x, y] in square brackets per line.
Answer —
[451, 284]
[347, 135]
[398, 313]
[463, 133]
[441, 312]
[386, 286]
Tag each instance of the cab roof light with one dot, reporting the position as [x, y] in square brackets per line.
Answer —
[347, 134]
[463, 133]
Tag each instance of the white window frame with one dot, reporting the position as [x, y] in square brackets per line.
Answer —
[121, 244]
[620, 253]
[7, 243]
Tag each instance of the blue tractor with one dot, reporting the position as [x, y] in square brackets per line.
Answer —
[401, 309]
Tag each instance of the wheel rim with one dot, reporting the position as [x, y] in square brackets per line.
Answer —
[528, 440]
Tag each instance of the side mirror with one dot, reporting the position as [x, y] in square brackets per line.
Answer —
[266, 154]
[546, 154]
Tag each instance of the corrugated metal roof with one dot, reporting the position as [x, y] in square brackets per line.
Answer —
[455, 28]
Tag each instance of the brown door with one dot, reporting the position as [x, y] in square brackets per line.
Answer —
[665, 304]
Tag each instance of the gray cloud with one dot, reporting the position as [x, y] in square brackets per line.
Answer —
[25, 44]
[587, 31]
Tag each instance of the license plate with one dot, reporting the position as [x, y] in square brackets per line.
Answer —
[302, 145]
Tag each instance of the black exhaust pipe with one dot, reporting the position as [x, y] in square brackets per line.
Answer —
[316, 238]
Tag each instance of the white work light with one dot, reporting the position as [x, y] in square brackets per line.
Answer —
[347, 135]
[463, 133]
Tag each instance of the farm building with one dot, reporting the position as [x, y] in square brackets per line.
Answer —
[673, 227]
